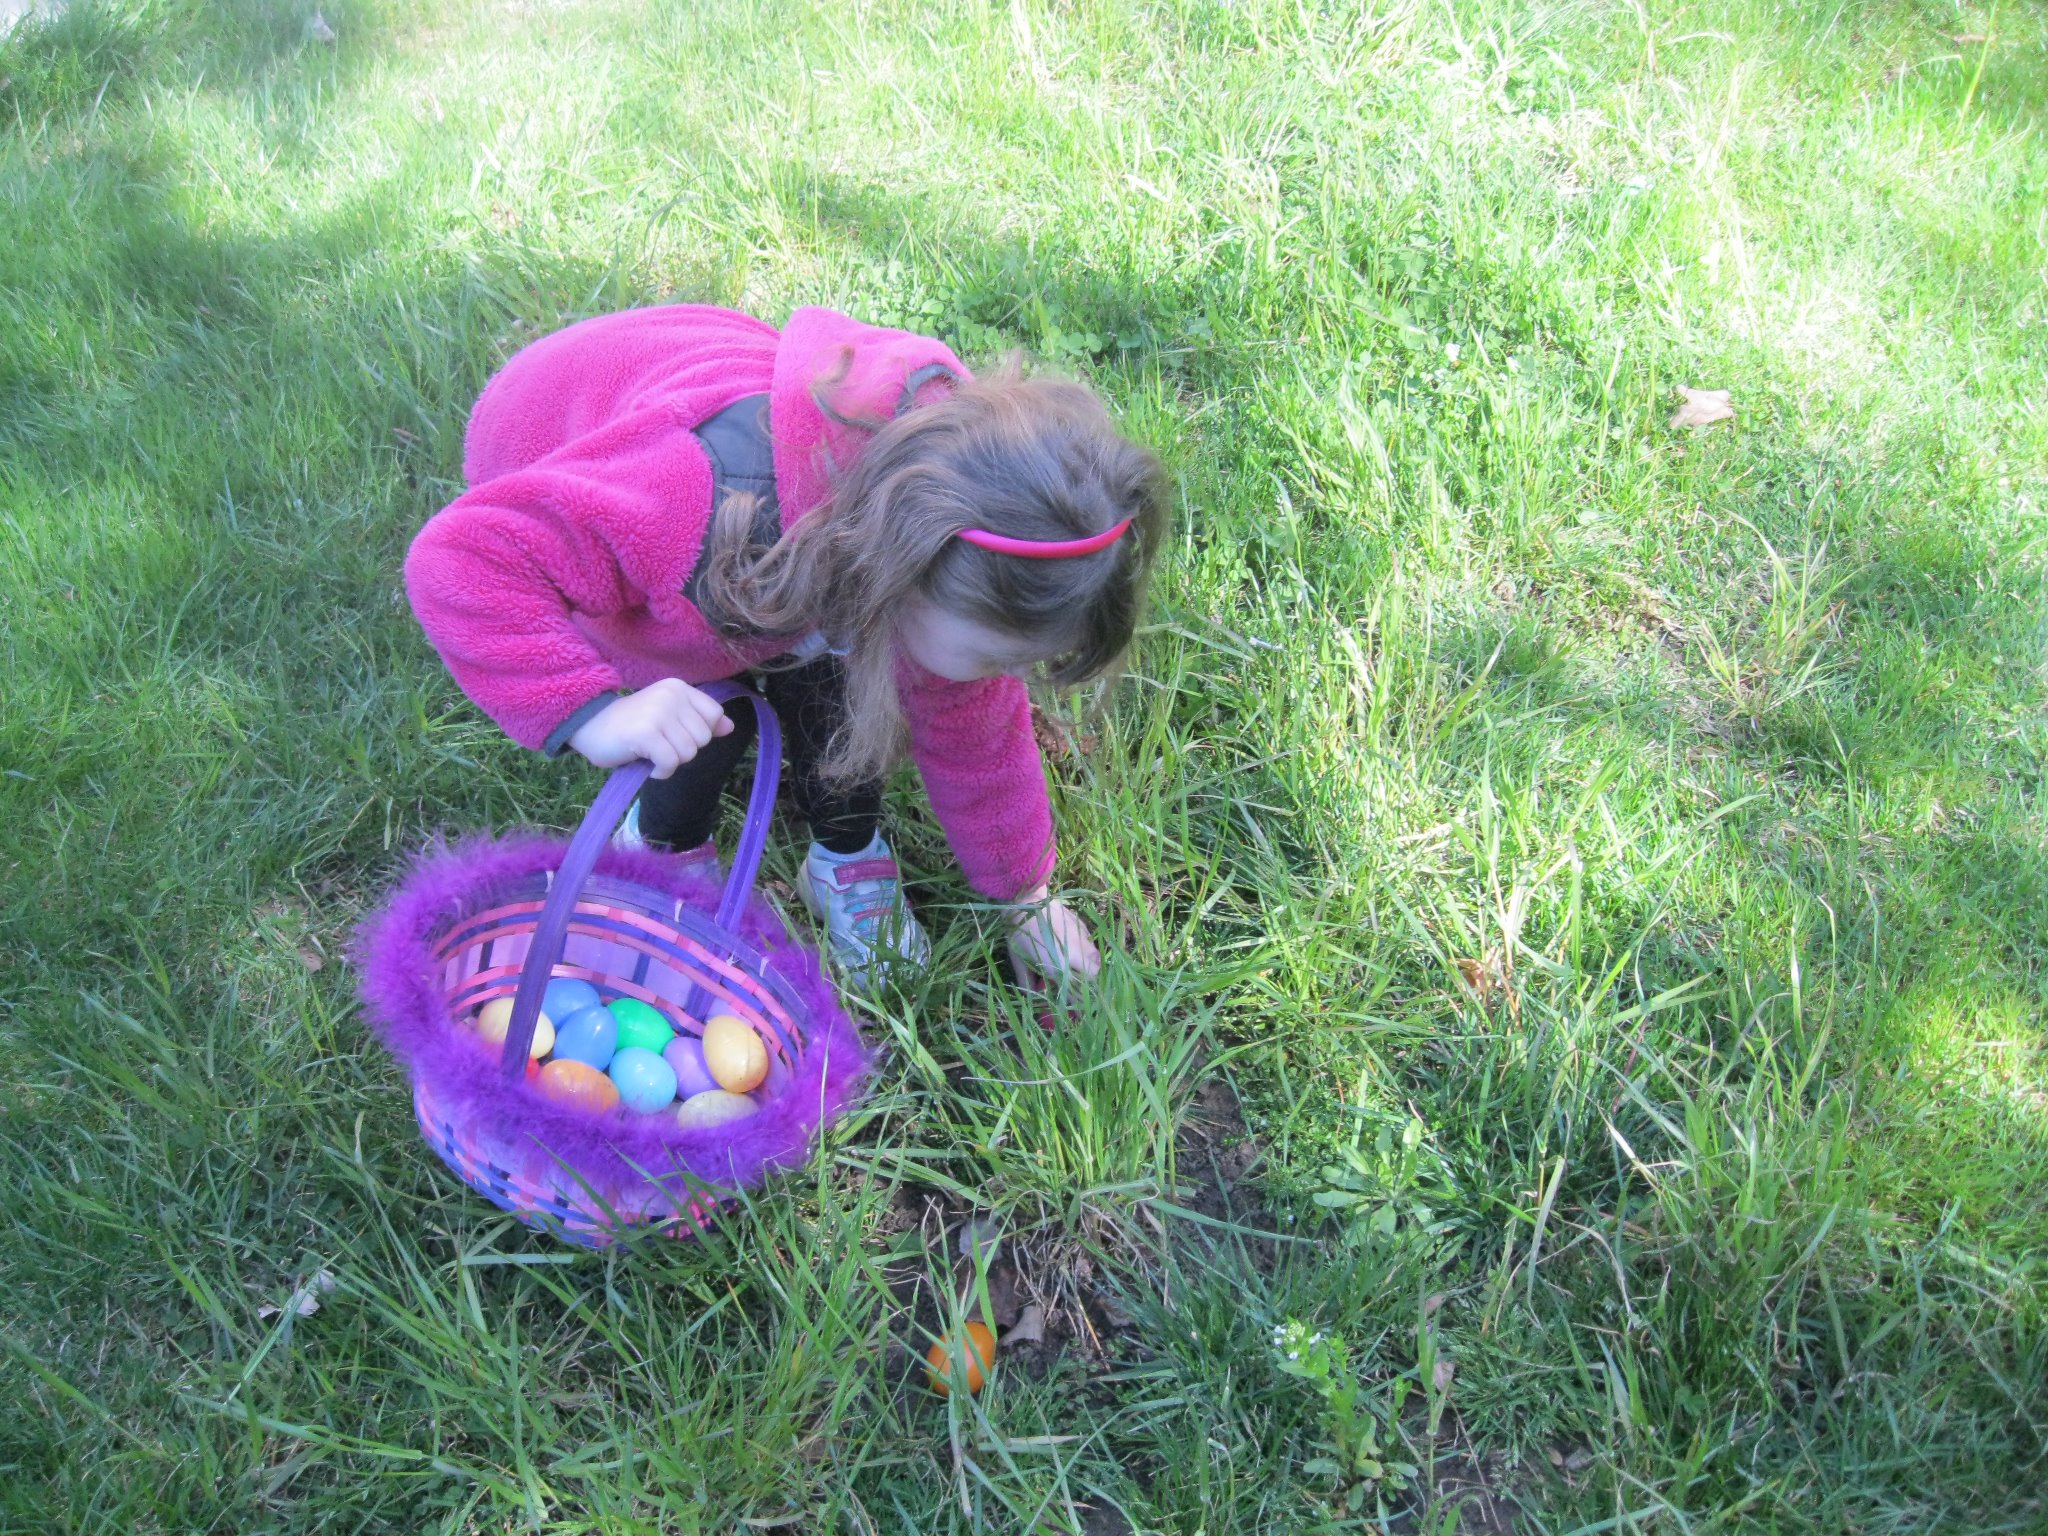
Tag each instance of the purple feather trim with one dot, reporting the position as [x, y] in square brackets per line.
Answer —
[615, 1153]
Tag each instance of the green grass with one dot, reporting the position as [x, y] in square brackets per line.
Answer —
[1606, 861]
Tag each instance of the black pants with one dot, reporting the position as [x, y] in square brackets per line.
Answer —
[681, 810]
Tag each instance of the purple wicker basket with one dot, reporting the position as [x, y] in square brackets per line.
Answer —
[502, 917]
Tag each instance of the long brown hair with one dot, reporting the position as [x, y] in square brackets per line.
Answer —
[1034, 458]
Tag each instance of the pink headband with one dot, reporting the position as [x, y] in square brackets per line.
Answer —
[1044, 549]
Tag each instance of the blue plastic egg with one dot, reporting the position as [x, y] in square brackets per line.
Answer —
[645, 1082]
[566, 995]
[685, 1054]
[590, 1036]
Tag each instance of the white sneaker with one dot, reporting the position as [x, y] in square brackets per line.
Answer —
[630, 839]
[859, 899]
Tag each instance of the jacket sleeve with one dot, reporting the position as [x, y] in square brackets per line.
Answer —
[499, 577]
[973, 746]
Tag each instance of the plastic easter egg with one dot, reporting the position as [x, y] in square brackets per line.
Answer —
[496, 1016]
[641, 1025]
[973, 1348]
[717, 1107]
[591, 1037]
[576, 1086]
[685, 1056]
[734, 1054]
[645, 1082]
[566, 995]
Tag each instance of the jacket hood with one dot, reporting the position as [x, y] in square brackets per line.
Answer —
[865, 375]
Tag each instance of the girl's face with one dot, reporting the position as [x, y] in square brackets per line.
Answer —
[962, 650]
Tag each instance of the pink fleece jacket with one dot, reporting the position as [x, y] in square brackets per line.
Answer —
[559, 574]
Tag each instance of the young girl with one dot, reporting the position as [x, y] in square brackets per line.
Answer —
[669, 496]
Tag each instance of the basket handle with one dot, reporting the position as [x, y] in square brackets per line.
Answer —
[599, 822]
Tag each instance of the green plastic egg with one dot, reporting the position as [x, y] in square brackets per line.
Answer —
[641, 1025]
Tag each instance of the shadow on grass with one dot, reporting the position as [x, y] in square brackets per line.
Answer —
[83, 55]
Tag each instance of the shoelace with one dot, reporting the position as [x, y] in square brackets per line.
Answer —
[868, 893]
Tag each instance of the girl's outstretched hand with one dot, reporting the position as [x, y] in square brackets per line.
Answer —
[1050, 938]
[668, 723]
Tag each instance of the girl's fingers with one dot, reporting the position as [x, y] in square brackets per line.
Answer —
[1047, 955]
[700, 715]
[685, 735]
[680, 742]
[1059, 942]
[716, 721]
[708, 708]
[657, 750]
[692, 703]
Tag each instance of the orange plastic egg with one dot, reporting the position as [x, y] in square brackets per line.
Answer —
[577, 1085]
[978, 1347]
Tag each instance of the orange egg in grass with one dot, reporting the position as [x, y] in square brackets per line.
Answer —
[495, 1017]
[577, 1085]
[974, 1346]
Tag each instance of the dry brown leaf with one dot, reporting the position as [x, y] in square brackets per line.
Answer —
[1030, 1327]
[1113, 1314]
[319, 31]
[1652, 614]
[1490, 978]
[1052, 741]
[1702, 408]
[1002, 1296]
[981, 1234]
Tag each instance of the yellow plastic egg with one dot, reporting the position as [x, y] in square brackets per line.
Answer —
[577, 1085]
[734, 1054]
[495, 1016]
[715, 1107]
